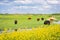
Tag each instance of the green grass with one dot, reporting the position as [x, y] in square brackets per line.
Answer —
[7, 21]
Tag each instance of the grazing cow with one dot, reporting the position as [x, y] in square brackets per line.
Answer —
[47, 22]
[29, 18]
[42, 18]
[15, 22]
[51, 18]
[38, 19]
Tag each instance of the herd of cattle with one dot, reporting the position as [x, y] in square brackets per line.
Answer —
[46, 22]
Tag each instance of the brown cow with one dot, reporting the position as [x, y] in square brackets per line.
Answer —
[49, 21]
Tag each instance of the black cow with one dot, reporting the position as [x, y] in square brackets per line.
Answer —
[42, 18]
[15, 21]
[29, 18]
[47, 22]
[38, 19]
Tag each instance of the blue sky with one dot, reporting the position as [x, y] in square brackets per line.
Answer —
[29, 6]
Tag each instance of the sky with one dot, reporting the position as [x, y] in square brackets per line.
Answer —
[29, 6]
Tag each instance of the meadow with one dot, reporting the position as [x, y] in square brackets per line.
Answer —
[7, 20]
[28, 29]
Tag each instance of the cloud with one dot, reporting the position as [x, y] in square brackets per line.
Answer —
[39, 1]
[53, 1]
[23, 1]
[23, 7]
[43, 2]
[5, 2]
[31, 1]
[29, 6]
[47, 7]
[16, 9]
[2, 3]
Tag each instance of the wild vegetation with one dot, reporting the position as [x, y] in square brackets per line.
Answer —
[45, 33]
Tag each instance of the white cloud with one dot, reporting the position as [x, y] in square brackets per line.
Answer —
[24, 7]
[39, 1]
[31, 1]
[2, 3]
[16, 9]
[47, 7]
[23, 1]
[53, 1]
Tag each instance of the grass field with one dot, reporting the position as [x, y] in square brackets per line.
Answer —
[7, 20]
[31, 29]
